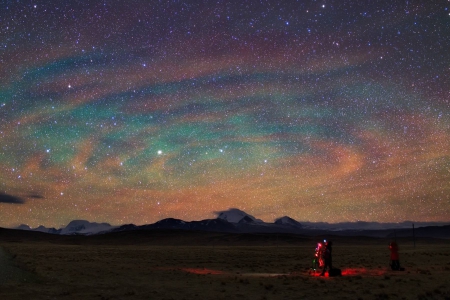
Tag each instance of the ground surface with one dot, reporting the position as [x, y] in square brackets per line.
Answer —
[52, 270]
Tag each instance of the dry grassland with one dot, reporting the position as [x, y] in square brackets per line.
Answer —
[56, 271]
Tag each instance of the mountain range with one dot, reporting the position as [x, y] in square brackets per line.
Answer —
[237, 221]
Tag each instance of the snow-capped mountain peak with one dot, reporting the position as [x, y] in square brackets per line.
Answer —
[23, 227]
[234, 215]
[288, 221]
[85, 227]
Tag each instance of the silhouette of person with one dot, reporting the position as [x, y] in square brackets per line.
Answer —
[327, 257]
[395, 261]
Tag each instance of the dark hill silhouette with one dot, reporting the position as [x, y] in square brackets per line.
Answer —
[237, 221]
[178, 237]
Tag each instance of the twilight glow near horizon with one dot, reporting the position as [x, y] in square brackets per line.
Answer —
[135, 111]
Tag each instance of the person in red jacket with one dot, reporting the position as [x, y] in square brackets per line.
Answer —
[395, 260]
[327, 257]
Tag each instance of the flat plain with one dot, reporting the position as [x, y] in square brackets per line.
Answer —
[216, 266]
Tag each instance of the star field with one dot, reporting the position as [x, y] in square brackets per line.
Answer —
[134, 111]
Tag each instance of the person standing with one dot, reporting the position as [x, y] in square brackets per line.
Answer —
[395, 260]
[327, 257]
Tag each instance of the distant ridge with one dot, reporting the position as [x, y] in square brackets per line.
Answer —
[237, 221]
[74, 227]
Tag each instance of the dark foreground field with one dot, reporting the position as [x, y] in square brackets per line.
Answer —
[214, 266]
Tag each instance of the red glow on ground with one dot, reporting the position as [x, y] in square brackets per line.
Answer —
[353, 272]
[202, 271]
[316, 273]
[362, 272]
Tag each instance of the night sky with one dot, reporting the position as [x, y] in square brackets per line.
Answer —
[135, 111]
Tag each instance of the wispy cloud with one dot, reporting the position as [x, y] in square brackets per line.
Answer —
[5, 198]
[35, 196]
